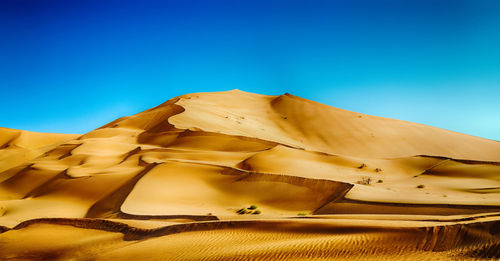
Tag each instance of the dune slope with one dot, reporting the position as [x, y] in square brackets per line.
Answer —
[237, 175]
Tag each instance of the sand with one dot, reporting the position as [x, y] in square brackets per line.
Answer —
[176, 182]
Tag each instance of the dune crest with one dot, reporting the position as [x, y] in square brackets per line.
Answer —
[286, 177]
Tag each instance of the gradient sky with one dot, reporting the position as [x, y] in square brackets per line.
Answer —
[71, 66]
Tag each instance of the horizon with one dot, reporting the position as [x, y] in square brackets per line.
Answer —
[70, 67]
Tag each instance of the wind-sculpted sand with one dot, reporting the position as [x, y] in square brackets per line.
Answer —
[242, 176]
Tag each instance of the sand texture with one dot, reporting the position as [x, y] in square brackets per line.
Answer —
[176, 182]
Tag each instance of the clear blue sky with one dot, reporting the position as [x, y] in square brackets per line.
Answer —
[71, 66]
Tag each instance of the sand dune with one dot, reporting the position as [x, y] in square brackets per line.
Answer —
[18, 146]
[302, 123]
[176, 182]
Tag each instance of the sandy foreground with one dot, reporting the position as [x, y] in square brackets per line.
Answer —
[241, 176]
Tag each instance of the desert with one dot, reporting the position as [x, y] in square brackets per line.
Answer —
[242, 176]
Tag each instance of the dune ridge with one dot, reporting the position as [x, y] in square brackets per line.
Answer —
[327, 183]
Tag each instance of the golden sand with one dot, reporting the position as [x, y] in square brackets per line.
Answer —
[176, 182]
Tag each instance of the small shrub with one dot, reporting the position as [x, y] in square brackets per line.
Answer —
[380, 181]
[301, 214]
[365, 181]
[252, 209]
[421, 186]
[362, 166]
[378, 170]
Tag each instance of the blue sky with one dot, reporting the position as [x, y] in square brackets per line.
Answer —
[71, 66]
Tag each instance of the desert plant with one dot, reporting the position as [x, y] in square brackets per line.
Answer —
[252, 209]
[365, 181]
[421, 186]
[380, 181]
[302, 214]
[362, 166]
[378, 170]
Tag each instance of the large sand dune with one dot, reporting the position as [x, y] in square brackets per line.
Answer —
[175, 182]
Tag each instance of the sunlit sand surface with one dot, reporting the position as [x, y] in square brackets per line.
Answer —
[241, 176]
